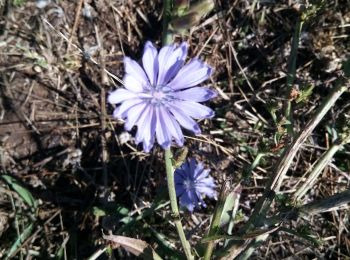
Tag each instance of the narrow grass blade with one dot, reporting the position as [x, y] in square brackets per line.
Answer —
[22, 192]
[25, 234]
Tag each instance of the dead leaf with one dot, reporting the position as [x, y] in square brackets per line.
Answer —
[137, 247]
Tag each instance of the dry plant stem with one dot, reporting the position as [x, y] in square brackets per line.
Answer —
[76, 22]
[249, 84]
[316, 207]
[286, 160]
[288, 156]
[331, 203]
[173, 204]
[316, 171]
[103, 112]
[324, 205]
[98, 253]
[86, 55]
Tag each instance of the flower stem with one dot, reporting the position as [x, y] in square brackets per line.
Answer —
[173, 204]
[167, 39]
[167, 35]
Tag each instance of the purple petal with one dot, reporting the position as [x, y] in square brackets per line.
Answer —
[185, 120]
[133, 84]
[208, 181]
[133, 114]
[191, 193]
[171, 59]
[201, 199]
[173, 128]
[148, 140]
[150, 62]
[194, 109]
[135, 70]
[208, 191]
[185, 168]
[179, 175]
[179, 188]
[192, 165]
[198, 172]
[120, 95]
[121, 111]
[196, 94]
[191, 75]
[189, 200]
[147, 145]
[163, 135]
[145, 128]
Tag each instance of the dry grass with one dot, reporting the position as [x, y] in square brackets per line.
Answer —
[57, 137]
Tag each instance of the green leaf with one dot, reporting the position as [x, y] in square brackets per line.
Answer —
[22, 192]
[134, 246]
[18, 2]
[230, 207]
[250, 235]
[109, 210]
[166, 247]
[304, 94]
[303, 232]
[98, 212]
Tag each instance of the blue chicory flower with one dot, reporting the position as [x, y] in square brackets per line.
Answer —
[191, 182]
[163, 95]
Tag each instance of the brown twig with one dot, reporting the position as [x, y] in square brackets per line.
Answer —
[81, 51]
[76, 22]
[104, 82]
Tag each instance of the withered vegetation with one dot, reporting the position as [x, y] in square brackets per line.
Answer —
[59, 142]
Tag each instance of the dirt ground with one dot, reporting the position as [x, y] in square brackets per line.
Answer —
[87, 176]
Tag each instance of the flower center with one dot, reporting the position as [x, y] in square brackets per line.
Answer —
[188, 184]
[160, 95]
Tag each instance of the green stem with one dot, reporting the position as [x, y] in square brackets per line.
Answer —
[255, 163]
[215, 223]
[291, 76]
[173, 204]
[167, 39]
[167, 35]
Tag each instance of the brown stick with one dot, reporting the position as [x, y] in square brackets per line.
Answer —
[75, 25]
